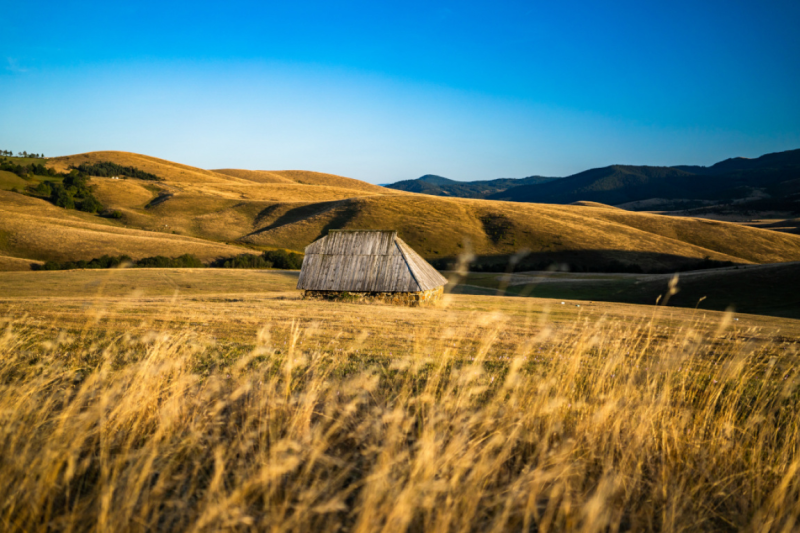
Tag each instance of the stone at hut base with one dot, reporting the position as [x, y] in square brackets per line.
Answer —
[412, 299]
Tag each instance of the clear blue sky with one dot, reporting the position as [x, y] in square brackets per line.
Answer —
[386, 91]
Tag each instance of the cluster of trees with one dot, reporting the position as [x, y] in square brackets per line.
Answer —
[272, 259]
[73, 192]
[112, 261]
[251, 261]
[159, 261]
[25, 171]
[10, 153]
[106, 169]
[105, 261]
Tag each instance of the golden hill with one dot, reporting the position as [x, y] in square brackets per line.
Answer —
[15, 263]
[34, 229]
[586, 203]
[444, 227]
[304, 177]
[195, 211]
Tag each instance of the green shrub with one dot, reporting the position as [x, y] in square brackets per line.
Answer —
[271, 259]
[90, 204]
[283, 259]
[159, 261]
[108, 169]
[106, 261]
[243, 261]
[61, 197]
[44, 189]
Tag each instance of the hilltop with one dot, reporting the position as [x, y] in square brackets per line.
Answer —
[218, 213]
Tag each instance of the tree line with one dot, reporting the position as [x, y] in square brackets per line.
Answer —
[279, 259]
[107, 169]
[26, 171]
[10, 153]
[73, 192]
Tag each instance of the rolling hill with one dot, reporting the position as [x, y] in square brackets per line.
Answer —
[225, 212]
[33, 230]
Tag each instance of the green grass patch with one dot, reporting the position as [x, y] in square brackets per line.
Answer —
[9, 180]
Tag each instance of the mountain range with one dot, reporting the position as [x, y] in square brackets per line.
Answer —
[769, 182]
[439, 186]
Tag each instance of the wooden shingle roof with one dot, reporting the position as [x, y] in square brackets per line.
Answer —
[365, 261]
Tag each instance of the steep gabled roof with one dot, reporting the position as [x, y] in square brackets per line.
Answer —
[365, 261]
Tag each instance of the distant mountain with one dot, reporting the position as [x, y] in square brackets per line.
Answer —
[439, 186]
[790, 158]
[770, 182]
[612, 185]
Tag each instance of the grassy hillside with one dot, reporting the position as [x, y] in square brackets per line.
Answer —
[8, 263]
[304, 177]
[211, 213]
[34, 229]
[586, 237]
[9, 180]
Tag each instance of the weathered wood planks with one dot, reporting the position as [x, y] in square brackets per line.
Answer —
[365, 261]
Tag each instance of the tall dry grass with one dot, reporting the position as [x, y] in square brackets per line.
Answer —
[605, 426]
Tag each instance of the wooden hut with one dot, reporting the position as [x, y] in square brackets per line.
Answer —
[368, 264]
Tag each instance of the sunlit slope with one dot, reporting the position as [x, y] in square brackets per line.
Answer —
[8, 263]
[441, 227]
[34, 229]
[220, 206]
[585, 203]
[304, 177]
[756, 245]
[283, 185]
[169, 170]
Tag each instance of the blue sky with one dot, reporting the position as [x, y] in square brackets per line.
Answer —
[385, 91]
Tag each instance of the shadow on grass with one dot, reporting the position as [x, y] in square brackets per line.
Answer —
[343, 212]
[616, 261]
[772, 290]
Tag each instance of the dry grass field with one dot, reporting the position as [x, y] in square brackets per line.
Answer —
[206, 400]
[234, 210]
